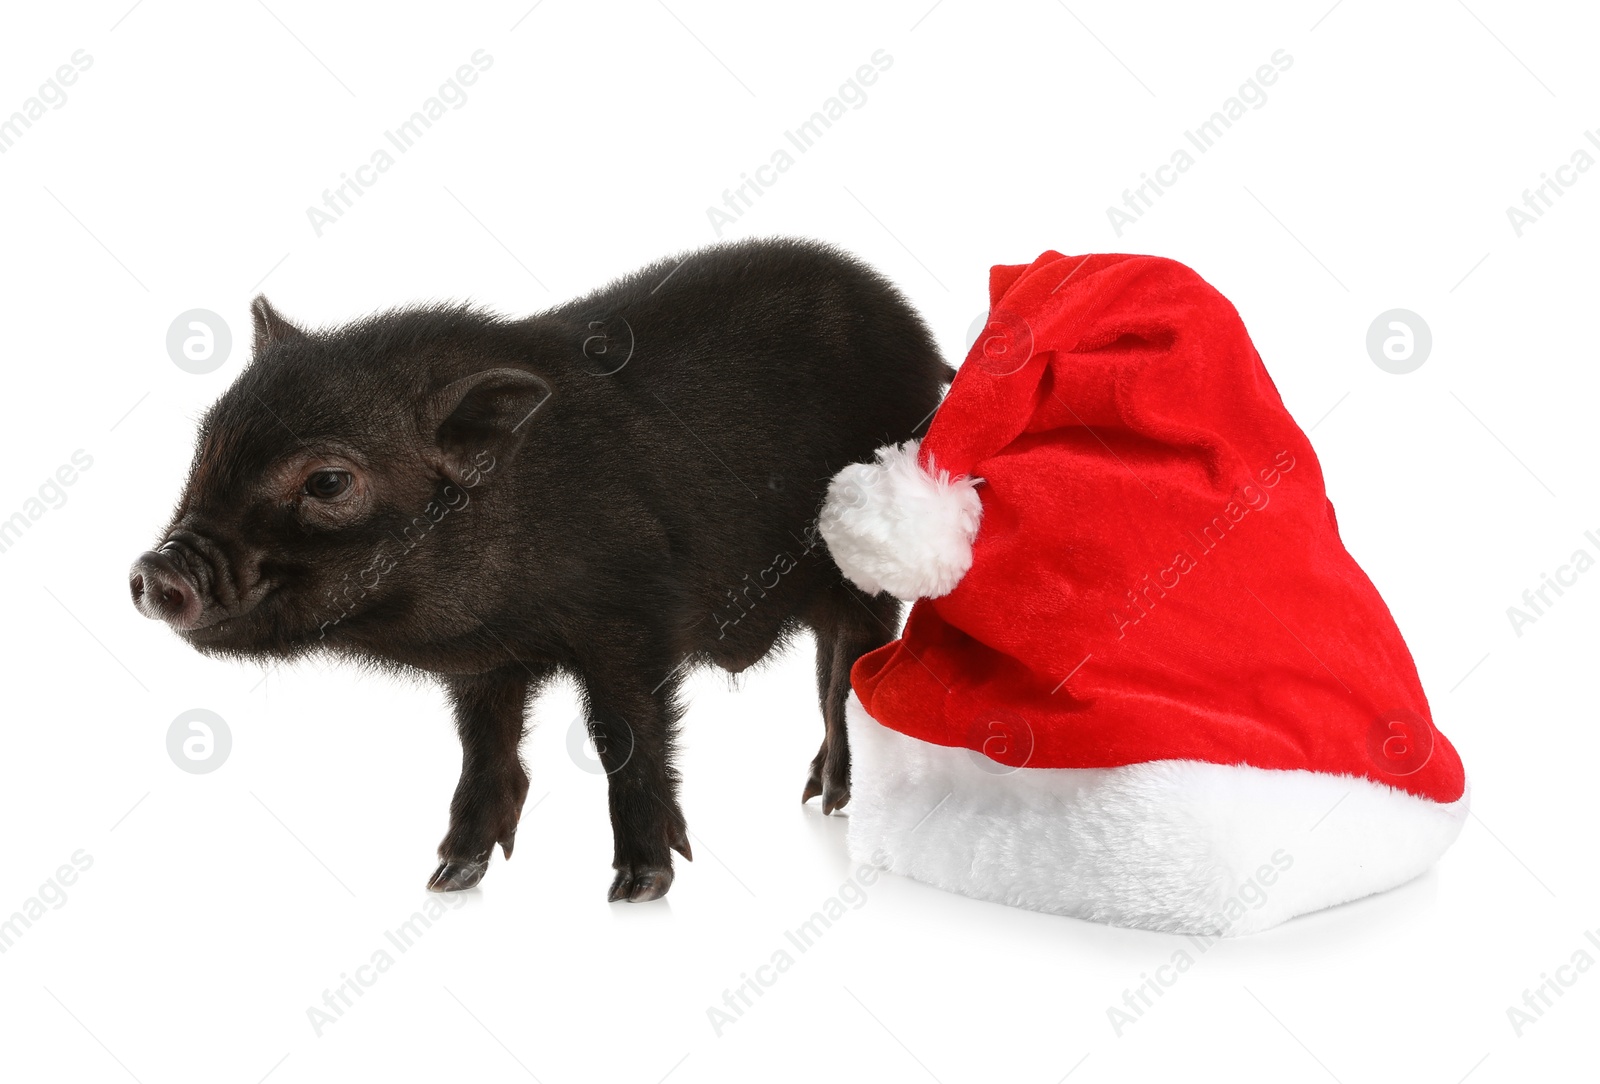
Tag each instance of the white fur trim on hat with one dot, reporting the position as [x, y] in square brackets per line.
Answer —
[1175, 845]
[893, 526]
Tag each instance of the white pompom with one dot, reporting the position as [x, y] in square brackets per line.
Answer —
[892, 526]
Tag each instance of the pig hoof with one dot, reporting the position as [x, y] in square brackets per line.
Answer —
[832, 781]
[679, 841]
[454, 875]
[814, 780]
[831, 770]
[639, 884]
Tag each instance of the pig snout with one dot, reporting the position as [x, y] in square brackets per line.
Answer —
[163, 591]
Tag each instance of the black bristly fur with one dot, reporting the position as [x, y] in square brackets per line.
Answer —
[615, 488]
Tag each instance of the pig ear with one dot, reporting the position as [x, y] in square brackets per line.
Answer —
[270, 325]
[481, 420]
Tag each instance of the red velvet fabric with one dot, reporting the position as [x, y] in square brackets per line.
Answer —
[1158, 573]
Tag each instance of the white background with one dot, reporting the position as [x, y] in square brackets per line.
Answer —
[177, 176]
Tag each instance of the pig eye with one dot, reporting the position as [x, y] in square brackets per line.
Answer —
[327, 485]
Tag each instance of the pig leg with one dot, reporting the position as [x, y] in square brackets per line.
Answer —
[848, 624]
[489, 710]
[633, 721]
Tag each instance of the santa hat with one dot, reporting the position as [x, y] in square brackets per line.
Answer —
[1143, 682]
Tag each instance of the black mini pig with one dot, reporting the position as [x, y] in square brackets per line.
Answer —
[617, 489]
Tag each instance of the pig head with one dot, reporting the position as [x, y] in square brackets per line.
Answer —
[316, 477]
